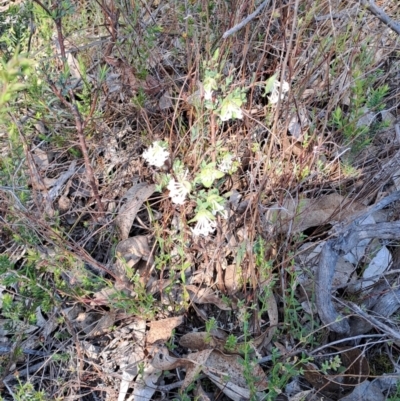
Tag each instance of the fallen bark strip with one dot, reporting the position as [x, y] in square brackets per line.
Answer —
[346, 239]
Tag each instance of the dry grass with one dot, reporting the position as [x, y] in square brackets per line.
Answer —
[135, 73]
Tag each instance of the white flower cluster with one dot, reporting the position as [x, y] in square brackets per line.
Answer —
[274, 98]
[210, 203]
[156, 155]
[178, 190]
[226, 163]
[206, 223]
[231, 111]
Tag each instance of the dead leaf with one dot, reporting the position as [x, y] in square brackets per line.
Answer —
[126, 379]
[380, 262]
[357, 371]
[200, 394]
[194, 369]
[366, 391]
[200, 341]
[205, 296]
[135, 196]
[146, 384]
[301, 396]
[133, 249]
[95, 324]
[233, 278]
[161, 330]
[300, 214]
[162, 360]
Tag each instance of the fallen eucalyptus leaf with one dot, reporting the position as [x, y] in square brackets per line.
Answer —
[161, 330]
[135, 197]
[300, 214]
[205, 296]
[377, 266]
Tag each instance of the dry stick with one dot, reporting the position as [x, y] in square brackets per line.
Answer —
[244, 22]
[82, 142]
[78, 122]
[378, 12]
[374, 321]
[80, 125]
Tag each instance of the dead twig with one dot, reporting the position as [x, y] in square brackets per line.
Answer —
[244, 22]
[374, 321]
[71, 105]
[381, 15]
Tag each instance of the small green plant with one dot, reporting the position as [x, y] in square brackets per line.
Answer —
[12, 74]
[282, 372]
[396, 395]
[231, 343]
[365, 101]
[211, 325]
[26, 392]
[293, 312]
[331, 364]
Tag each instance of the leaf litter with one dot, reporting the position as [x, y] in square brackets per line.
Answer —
[290, 190]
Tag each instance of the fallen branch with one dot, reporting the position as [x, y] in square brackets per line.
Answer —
[347, 238]
[244, 22]
[381, 15]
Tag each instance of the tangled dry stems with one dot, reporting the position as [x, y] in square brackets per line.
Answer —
[316, 56]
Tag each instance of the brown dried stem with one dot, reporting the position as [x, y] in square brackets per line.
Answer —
[71, 105]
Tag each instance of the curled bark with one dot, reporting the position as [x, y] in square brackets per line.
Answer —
[346, 239]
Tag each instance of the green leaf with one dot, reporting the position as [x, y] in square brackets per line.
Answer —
[269, 84]
[208, 175]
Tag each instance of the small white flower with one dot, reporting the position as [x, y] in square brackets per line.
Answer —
[209, 85]
[178, 191]
[156, 155]
[216, 207]
[208, 94]
[205, 223]
[226, 163]
[273, 99]
[216, 203]
[231, 111]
